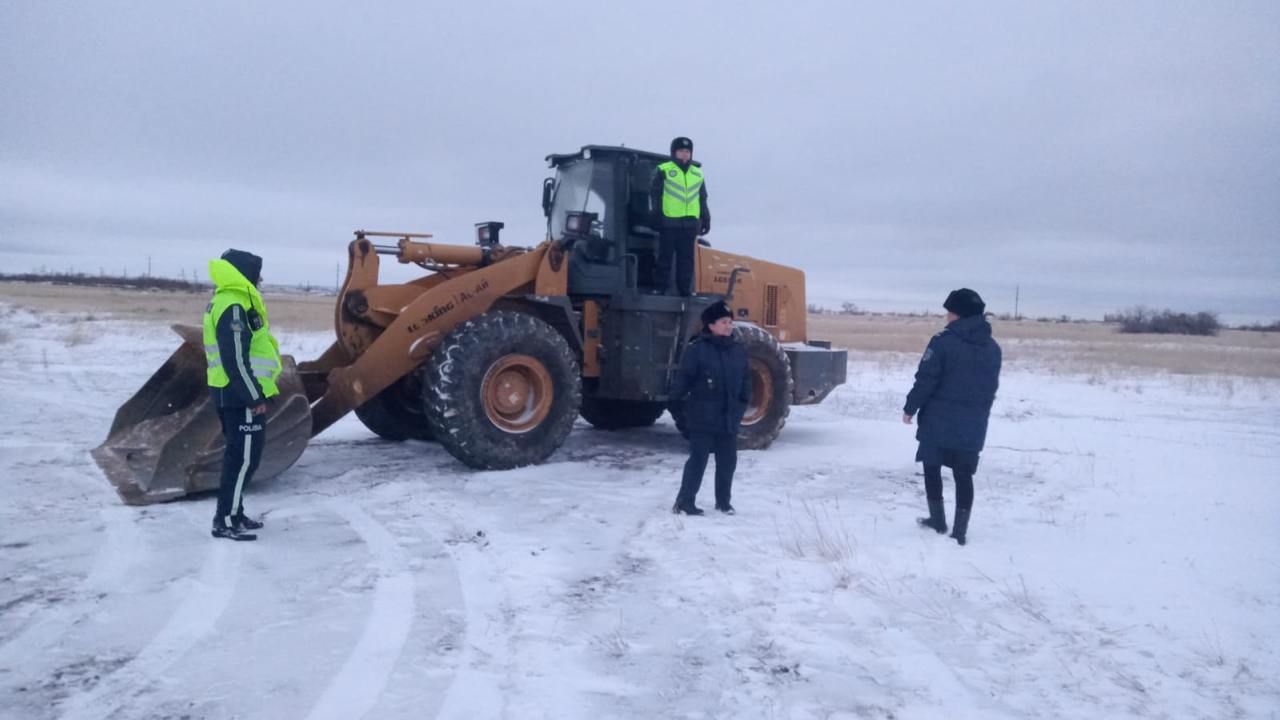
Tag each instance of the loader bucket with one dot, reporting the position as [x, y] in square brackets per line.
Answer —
[166, 440]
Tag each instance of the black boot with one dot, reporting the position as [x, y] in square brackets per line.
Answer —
[686, 509]
[244, 522]
[222, 530]
[961, 526]
[937, 520]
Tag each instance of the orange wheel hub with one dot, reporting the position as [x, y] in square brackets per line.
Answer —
[517, 392]
[761, 392]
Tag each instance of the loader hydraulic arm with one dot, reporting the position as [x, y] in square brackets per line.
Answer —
[418, 314]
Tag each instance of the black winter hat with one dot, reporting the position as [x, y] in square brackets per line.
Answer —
[714, 312]
[965, 303]
[681, 143]
[247, 263]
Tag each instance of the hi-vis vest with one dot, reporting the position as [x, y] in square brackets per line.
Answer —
[681, 190]
[233, 288]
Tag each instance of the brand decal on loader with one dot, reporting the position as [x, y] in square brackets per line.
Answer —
[438, 311]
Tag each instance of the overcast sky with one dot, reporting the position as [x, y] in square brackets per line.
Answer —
[1099, 155]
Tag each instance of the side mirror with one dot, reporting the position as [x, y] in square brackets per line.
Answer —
[548, 188]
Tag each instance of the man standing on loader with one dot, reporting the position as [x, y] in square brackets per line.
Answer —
[679, 201]
[243, 364]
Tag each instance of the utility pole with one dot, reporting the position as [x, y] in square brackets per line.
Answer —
[1017, 295]
[148, 266]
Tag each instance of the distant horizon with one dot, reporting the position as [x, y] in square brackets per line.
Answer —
[828, 306]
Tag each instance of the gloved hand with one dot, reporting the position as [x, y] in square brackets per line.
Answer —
[706, 228]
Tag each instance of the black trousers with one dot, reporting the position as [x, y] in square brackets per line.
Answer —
[245, 434]
[701, 446]
[675, 245]
[964, 485]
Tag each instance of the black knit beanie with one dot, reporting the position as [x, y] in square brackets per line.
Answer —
[965, 303]
[681, 143]
[714, 312]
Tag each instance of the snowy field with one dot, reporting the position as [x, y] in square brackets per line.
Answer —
[1122, 562]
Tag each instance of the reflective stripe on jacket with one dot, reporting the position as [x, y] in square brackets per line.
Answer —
[681, 190]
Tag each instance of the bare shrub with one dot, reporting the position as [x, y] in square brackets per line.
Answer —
[76, 336]
[1261, 327]
[815, 309]
[848, 308]
[1165, 322]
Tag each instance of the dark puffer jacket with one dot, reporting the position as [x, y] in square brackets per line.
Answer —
[714, 383]
[955, 386]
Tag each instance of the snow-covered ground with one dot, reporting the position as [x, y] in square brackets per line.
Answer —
[1122, 562]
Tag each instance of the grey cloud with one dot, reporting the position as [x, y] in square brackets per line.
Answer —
[1105, 153]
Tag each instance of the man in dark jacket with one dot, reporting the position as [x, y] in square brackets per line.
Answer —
[678, 199]
[955, 386]
[715, 386]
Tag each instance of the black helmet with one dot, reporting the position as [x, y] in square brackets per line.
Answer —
[681, 143]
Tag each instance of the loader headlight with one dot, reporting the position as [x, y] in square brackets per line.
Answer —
[487, 233]
[578, 223]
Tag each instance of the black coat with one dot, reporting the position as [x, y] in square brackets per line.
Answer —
[955, 386]
[714, 384]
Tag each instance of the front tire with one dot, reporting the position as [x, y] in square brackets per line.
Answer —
[396, 413]
[502, 391]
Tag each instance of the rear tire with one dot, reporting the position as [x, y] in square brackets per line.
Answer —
[771, 387]
[396, 413]
[502, 391]
[619, 414]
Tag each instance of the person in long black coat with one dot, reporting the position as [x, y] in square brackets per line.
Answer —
[715, 386]
[955, 386]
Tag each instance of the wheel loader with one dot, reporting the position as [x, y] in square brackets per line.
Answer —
[496, 350]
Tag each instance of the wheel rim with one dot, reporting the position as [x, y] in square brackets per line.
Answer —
[761, 392]
[516, 393]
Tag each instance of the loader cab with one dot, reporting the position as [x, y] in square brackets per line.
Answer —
[614, 251]
[598, 203]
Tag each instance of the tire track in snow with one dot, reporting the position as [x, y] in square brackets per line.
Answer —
[355, 690]
[195, 618]
[476, 692]
[121, 550]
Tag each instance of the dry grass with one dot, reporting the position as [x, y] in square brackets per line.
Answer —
[77, 335]
[300, 313]
[1091, 347]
